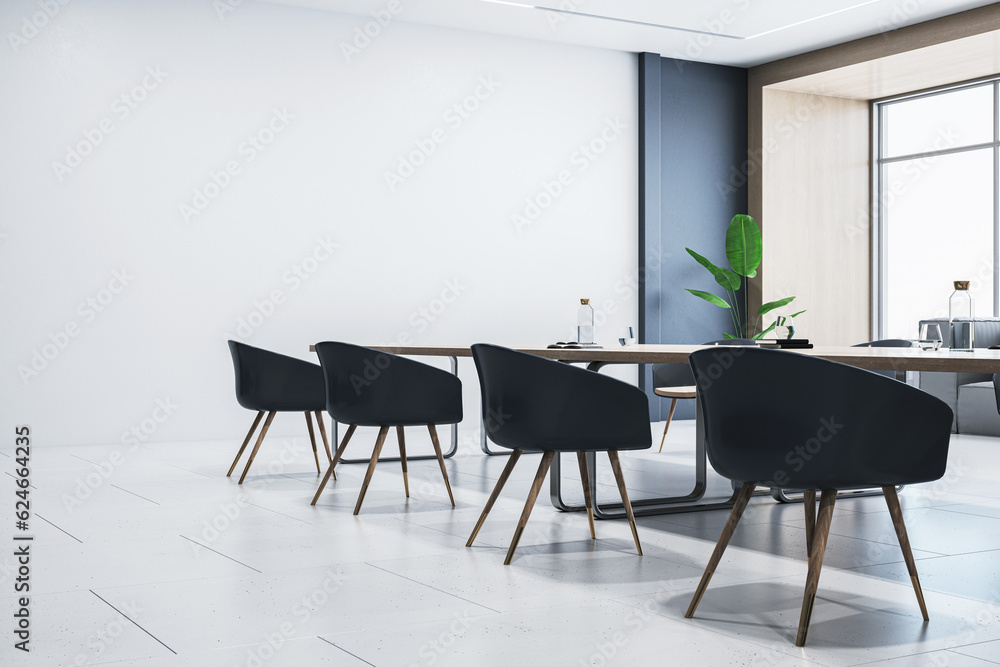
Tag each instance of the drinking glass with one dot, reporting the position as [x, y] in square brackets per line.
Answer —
[930, 336]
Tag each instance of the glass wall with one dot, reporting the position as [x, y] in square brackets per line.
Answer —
[937, 204]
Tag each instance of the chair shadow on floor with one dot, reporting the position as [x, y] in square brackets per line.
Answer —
[765, 611]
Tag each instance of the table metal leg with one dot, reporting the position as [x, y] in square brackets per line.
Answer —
[427, 457]
[485, 445]
[648, 506]
[781, 495]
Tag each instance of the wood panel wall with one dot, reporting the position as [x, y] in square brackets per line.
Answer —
[814, 213]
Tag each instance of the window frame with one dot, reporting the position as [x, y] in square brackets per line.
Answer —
[879, 286]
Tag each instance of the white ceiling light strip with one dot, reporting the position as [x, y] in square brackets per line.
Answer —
[679, 29]
[815, 18]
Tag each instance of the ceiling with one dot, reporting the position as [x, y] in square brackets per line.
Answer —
[729, 32]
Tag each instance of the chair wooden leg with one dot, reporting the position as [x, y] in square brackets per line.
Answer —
[440, 458]
[720, 547]
[616, 466]
[326, 441]
[260, 439]
[402, 458]
[826, 502]
[809, 502]
[246, 440]
[514, 456]
[382, 432]
[333, 464]
[892, 500]
[312, 439]
[536, 486]
[581, 458]
[666, 427]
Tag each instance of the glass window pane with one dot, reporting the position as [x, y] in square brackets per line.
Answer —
[948, 120]
[938, 217]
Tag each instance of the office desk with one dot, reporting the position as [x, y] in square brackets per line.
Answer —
[872, 358]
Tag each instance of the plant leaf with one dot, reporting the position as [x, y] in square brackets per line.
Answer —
[794, 315]
[764, 332]
[713, 269]
[729, 336]
[711, 298]
[771, 305]
[727, 279]
[744, 246]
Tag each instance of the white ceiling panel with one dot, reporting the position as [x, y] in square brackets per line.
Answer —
[736, 19]
[728, 32]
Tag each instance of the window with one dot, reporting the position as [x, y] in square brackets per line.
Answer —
[936, 187]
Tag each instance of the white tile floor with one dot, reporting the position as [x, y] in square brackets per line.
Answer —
[159, 559]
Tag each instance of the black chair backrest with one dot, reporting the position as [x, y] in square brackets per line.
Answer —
[887, 342]
[679, 375]
[790, 420]
[534, 403]
[368, 387]
[267, 380]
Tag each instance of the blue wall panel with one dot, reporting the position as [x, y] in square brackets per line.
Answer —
[693, 148]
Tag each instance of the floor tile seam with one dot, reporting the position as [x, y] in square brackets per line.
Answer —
[288, 516]
[193, 472]
[30, 486]
[956, 649]
[341, 648]
[944, 508]
[436, 530]
[433, 588]
[133, 622]
[204, 546]
[39, 516]
[120, 488]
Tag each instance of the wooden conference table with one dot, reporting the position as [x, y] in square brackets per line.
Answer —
[872, 358]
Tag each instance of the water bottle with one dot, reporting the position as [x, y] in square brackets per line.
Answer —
[585, 322]
[960, 317]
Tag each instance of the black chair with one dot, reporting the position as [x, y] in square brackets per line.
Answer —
[271, 382]
[538, 405]
[780, 494]
[775, 418]
[674, 381]
[366, 387]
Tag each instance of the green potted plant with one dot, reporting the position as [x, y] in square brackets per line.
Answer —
[744, 250]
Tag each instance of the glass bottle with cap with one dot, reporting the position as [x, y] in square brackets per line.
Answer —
[960, 317]
[585, 322]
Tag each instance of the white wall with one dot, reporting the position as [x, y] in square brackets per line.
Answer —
[161, 336]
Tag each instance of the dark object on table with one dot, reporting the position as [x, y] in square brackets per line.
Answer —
[793, 343]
